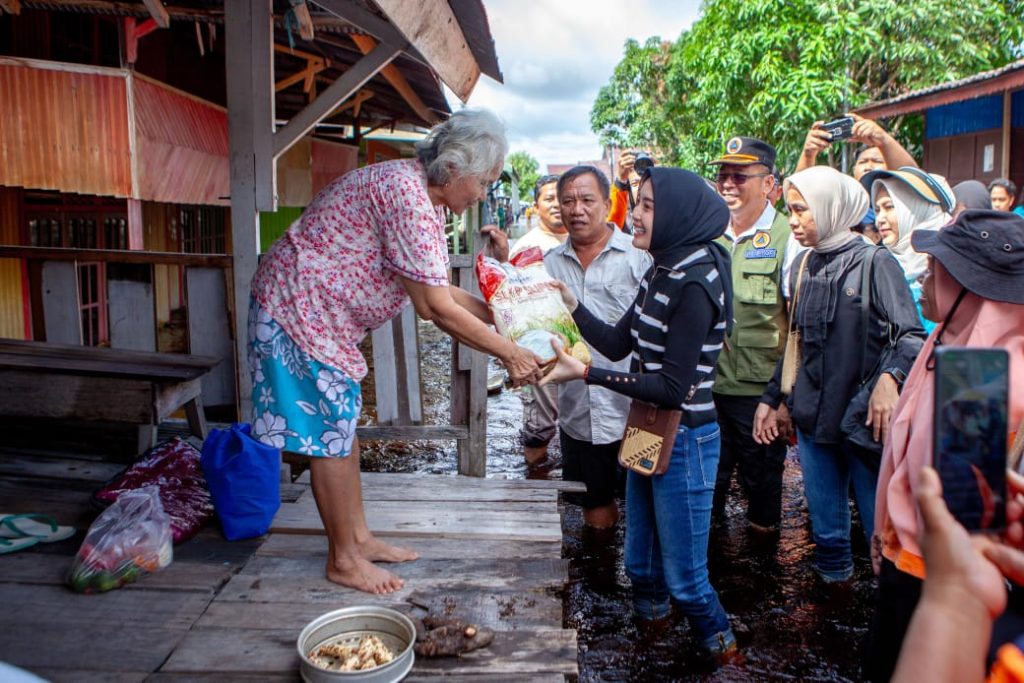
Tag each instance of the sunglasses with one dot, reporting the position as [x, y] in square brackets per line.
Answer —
[738, 178]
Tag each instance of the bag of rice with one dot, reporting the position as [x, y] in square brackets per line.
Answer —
[527, 305]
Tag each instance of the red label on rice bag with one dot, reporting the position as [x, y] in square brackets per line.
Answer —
[491, 274]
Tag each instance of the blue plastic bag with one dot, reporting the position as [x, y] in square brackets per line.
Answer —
[244, 478]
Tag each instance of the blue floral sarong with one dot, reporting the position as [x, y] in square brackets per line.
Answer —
[298, 404]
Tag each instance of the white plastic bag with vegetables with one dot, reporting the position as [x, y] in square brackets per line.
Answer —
[129, 539]
[527, 305]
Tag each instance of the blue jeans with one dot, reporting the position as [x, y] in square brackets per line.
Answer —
[667, 522]
[828, 471]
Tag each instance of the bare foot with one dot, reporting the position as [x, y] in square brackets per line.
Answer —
[356, 572]
[376, 550]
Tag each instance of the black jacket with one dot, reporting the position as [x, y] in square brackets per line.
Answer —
[828, 316]
[677, 323]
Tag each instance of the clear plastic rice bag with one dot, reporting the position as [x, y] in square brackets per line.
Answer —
[527, 305]
[129, 539]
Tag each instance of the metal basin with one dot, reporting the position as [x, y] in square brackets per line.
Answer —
[347, 626]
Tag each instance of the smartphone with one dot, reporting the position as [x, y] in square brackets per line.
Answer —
[971, 395]
[840, 129]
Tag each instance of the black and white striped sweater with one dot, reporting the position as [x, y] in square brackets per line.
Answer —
[674, 331]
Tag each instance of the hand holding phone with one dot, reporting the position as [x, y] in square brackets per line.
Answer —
[840, 129]
[970, 430]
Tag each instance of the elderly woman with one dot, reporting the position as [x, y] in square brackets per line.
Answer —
[823, 205]
[974, 289]
[674, 332]
[907, 200]
[370, 242]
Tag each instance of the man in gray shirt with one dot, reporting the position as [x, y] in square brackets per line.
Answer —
[603, 269]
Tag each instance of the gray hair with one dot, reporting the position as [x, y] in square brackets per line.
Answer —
[469, 144]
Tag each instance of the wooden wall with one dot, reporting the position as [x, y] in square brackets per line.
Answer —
[12, 274]
[158, 223]
[65, 127]
[961, 157]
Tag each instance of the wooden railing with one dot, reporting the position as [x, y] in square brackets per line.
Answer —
[208, 306]
[131, 304]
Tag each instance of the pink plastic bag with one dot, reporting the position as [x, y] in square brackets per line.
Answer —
[174, 468]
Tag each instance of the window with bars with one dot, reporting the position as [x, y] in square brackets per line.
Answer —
[202, 229]
[76, 222]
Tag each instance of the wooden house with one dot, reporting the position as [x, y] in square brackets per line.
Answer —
[147, 149]
[973, 127]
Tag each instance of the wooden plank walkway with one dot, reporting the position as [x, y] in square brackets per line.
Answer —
[490, 553]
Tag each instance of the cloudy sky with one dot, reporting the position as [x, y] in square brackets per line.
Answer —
[555, 56]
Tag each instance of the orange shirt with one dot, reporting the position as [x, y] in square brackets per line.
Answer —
[620, 206]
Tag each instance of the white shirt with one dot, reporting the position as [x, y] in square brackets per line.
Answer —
[607, 288]
[764, 223]
[538, 237]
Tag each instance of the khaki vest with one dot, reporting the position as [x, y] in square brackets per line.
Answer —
[760, 326]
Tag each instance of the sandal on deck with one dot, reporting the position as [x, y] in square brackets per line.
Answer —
[16, 544]
[42, 528]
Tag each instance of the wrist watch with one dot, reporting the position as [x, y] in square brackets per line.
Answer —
[621, 185]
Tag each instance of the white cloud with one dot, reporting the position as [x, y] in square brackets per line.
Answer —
[555, 56]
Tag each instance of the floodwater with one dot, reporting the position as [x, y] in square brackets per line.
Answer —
[788, 627]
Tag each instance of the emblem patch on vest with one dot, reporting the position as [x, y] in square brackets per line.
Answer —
[761, 240]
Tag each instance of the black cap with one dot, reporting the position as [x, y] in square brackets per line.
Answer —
[983, 250]
[743, 151]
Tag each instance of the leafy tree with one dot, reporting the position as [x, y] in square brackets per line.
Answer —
[769, 68]
[527, 169]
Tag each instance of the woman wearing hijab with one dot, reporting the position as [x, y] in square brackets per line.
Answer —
[674, 332]
[975, 290]
[823, 205]
[971, 194]
[907, 200]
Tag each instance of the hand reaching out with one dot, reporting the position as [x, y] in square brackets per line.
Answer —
[867, 132]
[523, 367]
[568, 298]
[566, 369]
[817, 140]
[624, 166]
[497, 246]
[960, 566]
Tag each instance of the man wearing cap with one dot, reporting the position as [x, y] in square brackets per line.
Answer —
[540, 404]
[762, 251]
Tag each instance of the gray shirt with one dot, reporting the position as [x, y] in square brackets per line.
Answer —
[607, 288]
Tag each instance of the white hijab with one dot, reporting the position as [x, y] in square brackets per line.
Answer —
[913, 212]
[837, 203]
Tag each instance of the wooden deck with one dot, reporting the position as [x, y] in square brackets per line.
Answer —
[490, 553]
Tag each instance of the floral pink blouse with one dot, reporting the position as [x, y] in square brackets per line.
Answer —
[334, 275]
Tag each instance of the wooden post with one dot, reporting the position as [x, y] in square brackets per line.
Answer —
[1004, 165]
[250, 84]
[469, 375]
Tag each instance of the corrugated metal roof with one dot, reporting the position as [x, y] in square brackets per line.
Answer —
[182, 146]
[385, 107]
[971, 86]
[64, 128]
[472, 18]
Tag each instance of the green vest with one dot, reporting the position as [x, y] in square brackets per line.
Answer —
[760, 325]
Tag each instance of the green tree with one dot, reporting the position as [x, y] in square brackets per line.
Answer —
[770, 68]
[527, 168]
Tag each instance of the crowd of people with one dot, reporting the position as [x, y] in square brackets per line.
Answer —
[763, 309]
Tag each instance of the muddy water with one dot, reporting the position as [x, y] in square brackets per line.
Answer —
[789, 629]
